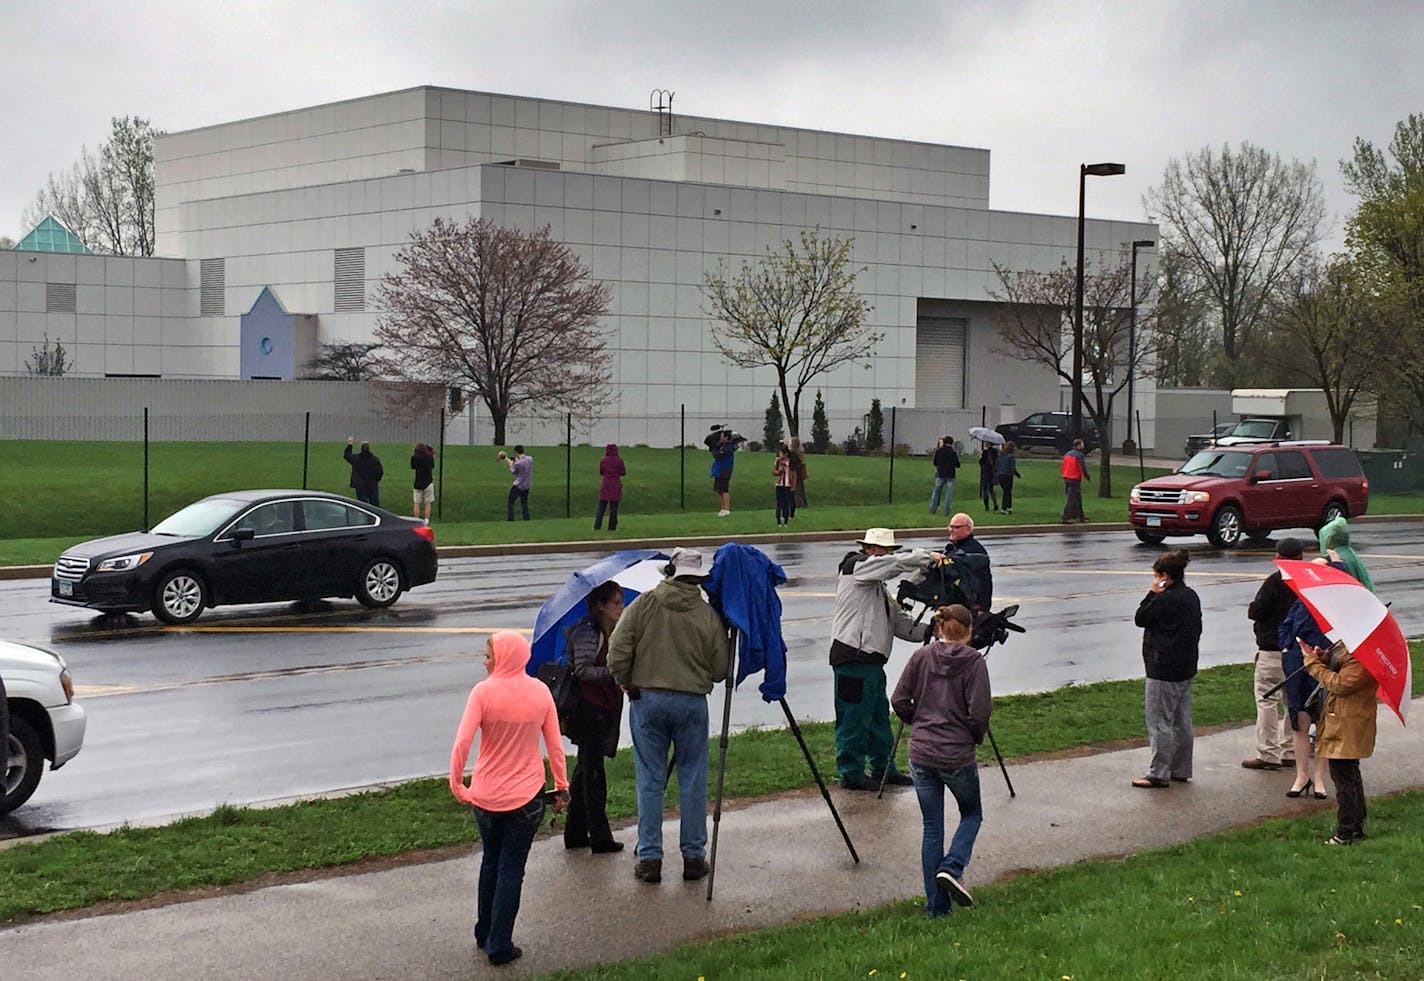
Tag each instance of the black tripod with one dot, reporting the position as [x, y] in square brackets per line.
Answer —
[998, 626]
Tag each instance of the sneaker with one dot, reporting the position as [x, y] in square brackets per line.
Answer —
[1288, 762]
[648, 870]
[608, 847]
[723, 514]
[1259, 764]
[513, 955]
[895, 779]
[694, 869]
[954, 887]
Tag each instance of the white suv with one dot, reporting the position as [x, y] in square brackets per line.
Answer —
[45, 721]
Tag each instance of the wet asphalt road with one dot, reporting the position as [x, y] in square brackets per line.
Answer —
[266, 703]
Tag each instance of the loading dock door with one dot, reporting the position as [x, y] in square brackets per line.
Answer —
[939, 362]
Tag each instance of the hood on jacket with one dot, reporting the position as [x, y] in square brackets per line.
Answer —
[678, 594]
[611, 449]
[951, 659]
[511, 654]
[1334, 534]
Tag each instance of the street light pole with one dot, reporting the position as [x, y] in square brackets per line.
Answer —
[1084, 171]
[1129, 446]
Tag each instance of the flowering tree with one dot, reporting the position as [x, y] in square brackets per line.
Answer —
[506, 314]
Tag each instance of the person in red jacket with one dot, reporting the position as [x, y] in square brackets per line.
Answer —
[510, 711]
[1075, 471]
[611, 471]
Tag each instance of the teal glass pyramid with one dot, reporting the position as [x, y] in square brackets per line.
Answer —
[50, 236]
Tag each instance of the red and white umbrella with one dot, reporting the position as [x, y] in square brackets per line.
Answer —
[1348, 612]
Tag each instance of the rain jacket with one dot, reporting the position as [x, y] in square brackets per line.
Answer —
[1336, 535]
[366, 469]
[943, 694]
[742, 588]
[867, 620]
[1171, 623]
[669, 639]
[611, 471]
[1347, 727]
[510, 711]
[1268, 610]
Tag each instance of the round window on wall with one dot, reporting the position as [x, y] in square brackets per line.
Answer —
[265, 345]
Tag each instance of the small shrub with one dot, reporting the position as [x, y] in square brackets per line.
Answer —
[754, 446]
[834, 449]
[902, 449]
[854, 444]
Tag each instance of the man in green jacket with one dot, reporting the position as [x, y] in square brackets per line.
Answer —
[667, 652]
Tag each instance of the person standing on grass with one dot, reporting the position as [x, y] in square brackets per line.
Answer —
[943, 695]
[784, 473]
[1171, 620]
[988, 488]
[422, 461]
[866, 622]
[723, 458]
[799, 456]
[669, 648]
[946, 465]
[509, 711]
[595, 728]
[1074, 471]
[1346, 733]
[366, 472]
[611, 471]
[1006, 468]
[1269, 607]
[521, 465]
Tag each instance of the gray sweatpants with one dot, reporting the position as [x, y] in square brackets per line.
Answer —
[1168, 708]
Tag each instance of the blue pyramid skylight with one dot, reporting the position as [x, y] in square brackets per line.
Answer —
[51, 236]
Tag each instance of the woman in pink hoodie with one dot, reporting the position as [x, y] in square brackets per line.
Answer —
[510, 711]
[611, 471]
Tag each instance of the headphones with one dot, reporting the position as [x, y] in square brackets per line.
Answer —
[669, 569]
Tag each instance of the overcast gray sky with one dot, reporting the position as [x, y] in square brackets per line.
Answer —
[1044, 84]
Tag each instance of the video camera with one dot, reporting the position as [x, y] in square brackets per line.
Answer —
[993, 628]
[714, 435]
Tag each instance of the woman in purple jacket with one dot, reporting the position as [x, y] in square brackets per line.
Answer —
[611, 472]
[944, 696]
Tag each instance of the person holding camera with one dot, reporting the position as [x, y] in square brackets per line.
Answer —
[1171, 620]
[521, 465]
[724, 449]
[509, 711]
[867, 621]
[943, 695]
[1346, 733]
[667, 651]
[366, 472]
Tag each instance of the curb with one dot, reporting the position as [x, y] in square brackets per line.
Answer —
[608, 545]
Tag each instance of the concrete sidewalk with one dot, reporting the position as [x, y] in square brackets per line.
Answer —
[778, 861]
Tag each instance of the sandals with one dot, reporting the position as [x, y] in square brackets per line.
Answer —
[1156, 783]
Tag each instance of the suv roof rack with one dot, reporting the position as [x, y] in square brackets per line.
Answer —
[1299, 442]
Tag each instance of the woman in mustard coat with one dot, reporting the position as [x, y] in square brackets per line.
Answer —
[1346, 732]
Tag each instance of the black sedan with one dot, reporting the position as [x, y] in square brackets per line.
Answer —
[255, 546]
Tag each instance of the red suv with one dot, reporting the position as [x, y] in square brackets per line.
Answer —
[1225, 492]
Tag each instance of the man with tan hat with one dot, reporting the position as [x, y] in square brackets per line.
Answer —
[867, 621]
[667, 652]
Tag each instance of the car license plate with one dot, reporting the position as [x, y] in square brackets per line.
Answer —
[1154, 521]
[66, 588]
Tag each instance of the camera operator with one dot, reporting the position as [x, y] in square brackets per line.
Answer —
[972, 560]
[943, 694]
[723, 444]
[866, 623]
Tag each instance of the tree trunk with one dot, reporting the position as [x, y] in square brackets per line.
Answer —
[1105, 470]
[791, 408]
[498, 419]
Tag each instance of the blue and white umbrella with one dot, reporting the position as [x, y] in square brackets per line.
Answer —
[636, 570]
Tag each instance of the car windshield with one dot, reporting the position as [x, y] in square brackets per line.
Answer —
[199, 519]
[1256, 429]
[1217, 463]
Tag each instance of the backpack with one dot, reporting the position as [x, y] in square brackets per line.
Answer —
[564, 686]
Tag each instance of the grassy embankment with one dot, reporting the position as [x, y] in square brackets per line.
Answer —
[240, 844]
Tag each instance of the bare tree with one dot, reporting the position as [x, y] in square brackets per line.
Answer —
[345, 361]
[1035, 321]
[106, 198]
[1186, 336]
[1323, 327]
[1243, 219]
[6, 242]
[509, 315]
[795, 311]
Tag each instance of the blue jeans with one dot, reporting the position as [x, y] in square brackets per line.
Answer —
[943, 485]
[522, 496]
[507, 836]
[659, 719]
[963, 783]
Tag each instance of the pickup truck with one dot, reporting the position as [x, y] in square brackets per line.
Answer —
[1244, 432]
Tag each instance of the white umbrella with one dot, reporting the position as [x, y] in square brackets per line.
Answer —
[984, 435]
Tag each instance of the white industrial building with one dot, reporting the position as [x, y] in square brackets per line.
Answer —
[273, 232]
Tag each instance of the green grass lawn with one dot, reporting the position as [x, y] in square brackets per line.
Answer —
[234, 844]
[64, 492]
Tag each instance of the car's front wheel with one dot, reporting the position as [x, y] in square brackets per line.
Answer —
[24, 764]
[1333, 510]
[1225, 530]
[179, 597]
[381, 583]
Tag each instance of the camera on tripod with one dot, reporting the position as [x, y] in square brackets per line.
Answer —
[714, 435]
